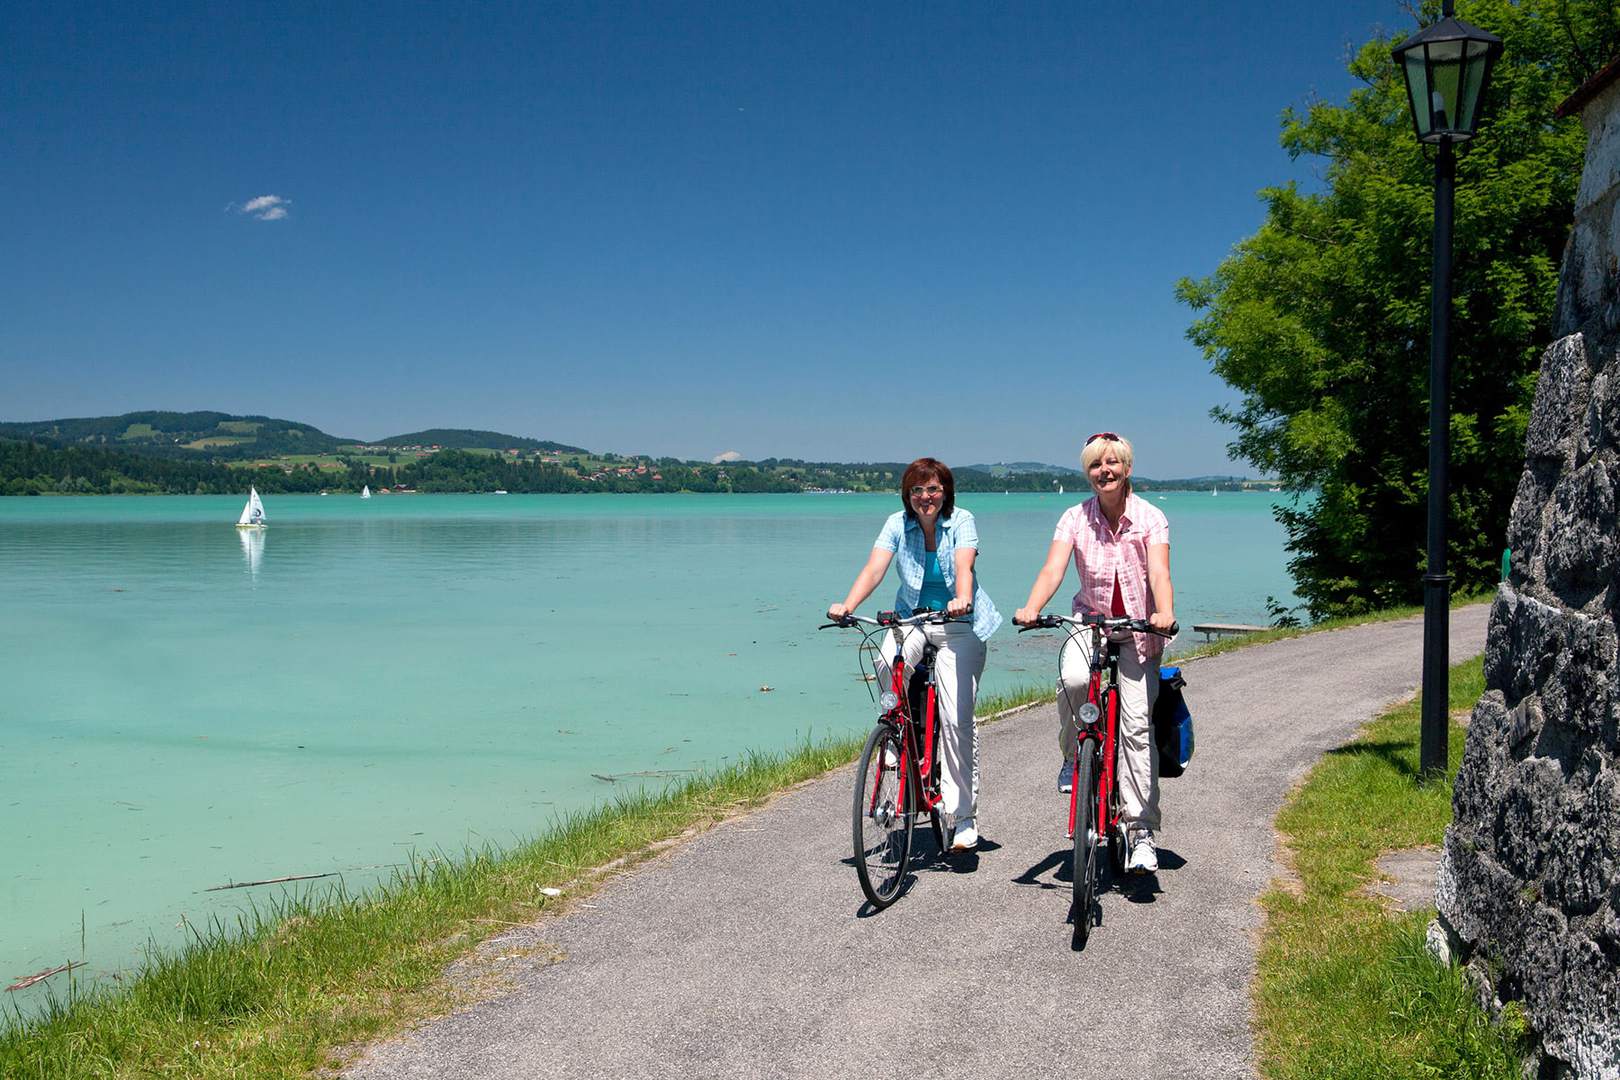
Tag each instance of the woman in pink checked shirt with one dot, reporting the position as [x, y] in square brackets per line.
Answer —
[1120, 544]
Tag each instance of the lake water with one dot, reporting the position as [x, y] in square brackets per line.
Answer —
[186, 705]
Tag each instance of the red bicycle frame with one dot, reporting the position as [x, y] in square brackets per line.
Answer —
[1107, 702]
[900, 717]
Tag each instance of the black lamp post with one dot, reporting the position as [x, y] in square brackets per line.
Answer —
[1447, 68]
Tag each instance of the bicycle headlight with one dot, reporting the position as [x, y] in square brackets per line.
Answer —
[888, 700]
[1088, 713]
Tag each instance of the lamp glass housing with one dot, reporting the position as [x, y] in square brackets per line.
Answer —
[1447, 68]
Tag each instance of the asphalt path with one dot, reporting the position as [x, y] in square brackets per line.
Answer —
[748, 951]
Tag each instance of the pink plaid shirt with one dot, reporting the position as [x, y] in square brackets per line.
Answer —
[1103, 556]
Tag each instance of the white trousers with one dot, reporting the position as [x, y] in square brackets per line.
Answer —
[1138, 757]
[958, 663]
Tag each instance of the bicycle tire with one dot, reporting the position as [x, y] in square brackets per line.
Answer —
[1085, 866]
[882, 827]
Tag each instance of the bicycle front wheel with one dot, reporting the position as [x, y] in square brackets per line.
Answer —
[1085, 842]
[882, 818]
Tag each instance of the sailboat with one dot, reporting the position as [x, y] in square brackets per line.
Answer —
[253, 513]
[365, 491]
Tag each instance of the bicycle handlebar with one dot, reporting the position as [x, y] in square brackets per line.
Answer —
[890, 618]
[1104, 623]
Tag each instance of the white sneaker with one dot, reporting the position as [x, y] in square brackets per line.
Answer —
[966, 836]
[1144, 858]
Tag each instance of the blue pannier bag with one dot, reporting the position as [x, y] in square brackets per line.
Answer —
[1172, 724]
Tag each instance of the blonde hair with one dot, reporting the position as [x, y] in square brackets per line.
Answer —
[1097, 447]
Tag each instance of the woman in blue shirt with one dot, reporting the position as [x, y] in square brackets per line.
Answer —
[937, 544]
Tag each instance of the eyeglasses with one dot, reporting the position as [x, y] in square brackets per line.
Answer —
[1109, 435]
[931, 489]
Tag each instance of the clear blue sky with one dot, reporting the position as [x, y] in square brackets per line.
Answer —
[833, 231]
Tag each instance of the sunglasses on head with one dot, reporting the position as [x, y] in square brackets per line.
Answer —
[1109, 435]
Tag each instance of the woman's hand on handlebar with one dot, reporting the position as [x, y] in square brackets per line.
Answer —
[1163, 621]
[1027, 616]
[958, 606]
[836, 612]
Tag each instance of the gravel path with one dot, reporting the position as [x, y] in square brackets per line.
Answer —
[745, 952]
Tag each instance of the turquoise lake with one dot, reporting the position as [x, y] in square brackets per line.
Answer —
[186, 705]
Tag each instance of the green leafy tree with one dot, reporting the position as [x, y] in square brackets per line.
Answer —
[1321, 318]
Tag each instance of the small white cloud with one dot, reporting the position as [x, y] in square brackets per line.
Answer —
[265, 207]
[727, 455]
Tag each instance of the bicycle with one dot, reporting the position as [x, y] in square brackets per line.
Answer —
[1094, 802]
[898, 774]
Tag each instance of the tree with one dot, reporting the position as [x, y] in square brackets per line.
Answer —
[1320, 319]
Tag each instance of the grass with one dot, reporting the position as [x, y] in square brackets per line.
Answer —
[1345, 990]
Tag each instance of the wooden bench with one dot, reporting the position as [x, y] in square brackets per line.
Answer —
[1211, 629]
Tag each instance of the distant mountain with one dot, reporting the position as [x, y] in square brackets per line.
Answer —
[467, 439]
[210, 435]
[1015, 468]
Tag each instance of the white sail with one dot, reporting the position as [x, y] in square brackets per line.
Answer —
[365, 491]
[253, 513]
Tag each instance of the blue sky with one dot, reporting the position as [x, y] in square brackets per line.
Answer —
[832, 231]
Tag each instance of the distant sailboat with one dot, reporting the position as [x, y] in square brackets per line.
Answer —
[1060, 489]
[365, 491]
[253, 513]
[1212, 491]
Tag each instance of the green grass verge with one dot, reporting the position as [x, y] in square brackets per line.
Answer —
[1344, 989]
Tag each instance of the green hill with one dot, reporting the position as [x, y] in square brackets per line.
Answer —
[468, 439]
[207, 435]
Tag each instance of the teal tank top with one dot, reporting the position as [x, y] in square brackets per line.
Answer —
[935, 596]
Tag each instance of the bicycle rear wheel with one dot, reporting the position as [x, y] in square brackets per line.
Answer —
[882, 825]
[1085, 865]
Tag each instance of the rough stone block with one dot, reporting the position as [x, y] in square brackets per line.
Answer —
[1561, 395]
[1603, 412]
[1500, 660]
[1531, 503]
[1580, 545]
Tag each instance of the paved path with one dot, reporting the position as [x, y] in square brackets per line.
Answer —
[744, 952]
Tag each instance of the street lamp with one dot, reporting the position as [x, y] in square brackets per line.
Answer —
[1447, 68]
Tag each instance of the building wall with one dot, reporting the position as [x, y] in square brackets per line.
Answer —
[1529, 886]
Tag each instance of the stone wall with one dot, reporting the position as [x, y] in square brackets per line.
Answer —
[1529, 883]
